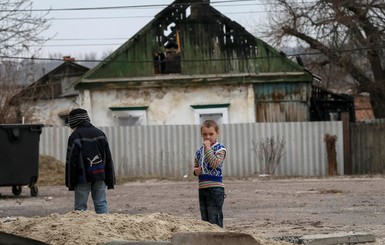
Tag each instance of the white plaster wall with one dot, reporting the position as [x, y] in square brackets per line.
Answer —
[47, 111]
[170, 106]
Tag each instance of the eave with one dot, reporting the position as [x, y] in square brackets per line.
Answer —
[194, 80]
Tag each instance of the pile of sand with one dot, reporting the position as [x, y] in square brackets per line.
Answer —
[90, 228]
[51, 171]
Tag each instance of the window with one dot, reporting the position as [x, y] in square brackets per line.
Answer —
[216, 117]
[216, 112]
[64, 119]
[130, 116]
[167, 60]
[129, 121]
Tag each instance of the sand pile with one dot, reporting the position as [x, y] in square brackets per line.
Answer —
[51, 171]
[90, 228]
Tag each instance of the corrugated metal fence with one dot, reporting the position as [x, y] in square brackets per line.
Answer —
[168, 151]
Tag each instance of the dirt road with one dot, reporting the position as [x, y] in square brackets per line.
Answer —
[266, 207]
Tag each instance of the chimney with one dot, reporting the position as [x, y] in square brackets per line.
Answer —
[68, 59]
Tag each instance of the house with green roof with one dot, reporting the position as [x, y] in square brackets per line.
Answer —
[48, 100]
[192, 63]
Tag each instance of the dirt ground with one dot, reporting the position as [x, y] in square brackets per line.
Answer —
[264, 207]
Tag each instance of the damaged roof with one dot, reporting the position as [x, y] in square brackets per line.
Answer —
[192, 38]
[59, 82]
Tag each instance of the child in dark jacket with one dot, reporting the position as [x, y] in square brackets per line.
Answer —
[208, 167]
[89, 165]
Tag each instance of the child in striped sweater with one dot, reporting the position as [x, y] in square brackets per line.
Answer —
[208, 167]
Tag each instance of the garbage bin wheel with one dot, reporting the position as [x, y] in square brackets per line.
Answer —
[34, 190]
[16, 190]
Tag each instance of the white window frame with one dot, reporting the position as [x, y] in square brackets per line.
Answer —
[215, 109]
[131, 112]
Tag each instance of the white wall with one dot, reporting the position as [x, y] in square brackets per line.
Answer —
[170, 106]
[47, 111]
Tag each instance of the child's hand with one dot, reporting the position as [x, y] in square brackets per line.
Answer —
[198, 171]
[207, 144]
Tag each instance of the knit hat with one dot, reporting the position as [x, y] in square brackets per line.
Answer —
[77, 116]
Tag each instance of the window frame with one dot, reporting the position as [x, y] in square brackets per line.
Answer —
[211, 109]
[126, 112]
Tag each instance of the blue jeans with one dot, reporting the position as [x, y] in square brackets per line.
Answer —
[211, 203]
[98, 193]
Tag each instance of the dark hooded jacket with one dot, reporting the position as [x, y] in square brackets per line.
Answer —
[88, 157]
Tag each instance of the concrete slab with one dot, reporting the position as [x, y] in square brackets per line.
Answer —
[210, 238]
[137, 243]
[337, 238]
[10, 239]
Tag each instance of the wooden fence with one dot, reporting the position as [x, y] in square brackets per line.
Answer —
[367, 144]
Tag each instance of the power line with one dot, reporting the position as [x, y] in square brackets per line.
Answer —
[109, 44]
[96, 39]
[87, 39]
[216, 4]
[229, 2]
[205, 60]
[127, 6]
[103, 18]
[81, 45]
[148, 16]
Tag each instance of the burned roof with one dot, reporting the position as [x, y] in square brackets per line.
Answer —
[189, 38]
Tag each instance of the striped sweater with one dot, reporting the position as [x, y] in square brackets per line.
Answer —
[211, 162]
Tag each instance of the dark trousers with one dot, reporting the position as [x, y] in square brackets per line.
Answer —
[211, 203]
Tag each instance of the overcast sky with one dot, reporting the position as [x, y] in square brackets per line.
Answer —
[77, 32]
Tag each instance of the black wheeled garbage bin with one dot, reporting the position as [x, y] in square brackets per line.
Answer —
[19, 156]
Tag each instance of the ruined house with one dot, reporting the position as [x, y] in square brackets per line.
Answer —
[189, 64]
[192, 63]
[49, 99]
[329, 106]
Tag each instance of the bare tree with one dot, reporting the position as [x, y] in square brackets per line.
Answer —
[8, 88]
[21, 28]
[270, 152]
[20, 34]
[347, 33]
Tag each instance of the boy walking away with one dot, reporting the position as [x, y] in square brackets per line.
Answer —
[208, 167]
[89, 166]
